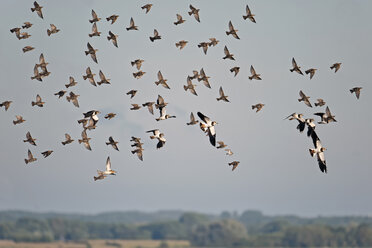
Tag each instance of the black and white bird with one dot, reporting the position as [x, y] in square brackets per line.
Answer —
[301, 121]
[208, 127]
[108, 170]
[319, 152]
[157, 135]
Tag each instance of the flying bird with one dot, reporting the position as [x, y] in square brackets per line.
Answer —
[19, 120]
[320, 102]
[85, 140]
[222, 97]
[156, 36]
[95, 31]
[90, 77]
[68, 139]
[95, 17]
[138, 63]
[71, 83]
[29, 139]
[336, 66]
[138, 74]
[147, 7]
[112, 18]
[6, 104]
[258, 106]
[92, 52]
[205, 46]
[73, 98]
[193, 121]
[254, 74]
[100, 176]
[179, 20]
[38, 102]
[208, 127]
[228, 55]
[356, 90]
[53, 30]
[181, 44]
[190, 86]
[319, 152]
[305, 99]
[27, 25]
[135, 106]
[108, 170]
[132, 93]
[27, 49]
[326, 117]
[113, 143]
[157, 135]
[132, 26]
[30, 157]
[234, 164]
[162, 81]
[213, 42]
[235, 70]
[149, 106]
[139, 153]
[221, 145]
[194, 12]
[113, 38]
[311, 71]
[37, 8]
[300, 119]
[295, 68]
[232, 31]
[60, 93]
[109, 116]
[47, 153]
[104, 80]
[249, 15]
[229, 152]
[203, 77]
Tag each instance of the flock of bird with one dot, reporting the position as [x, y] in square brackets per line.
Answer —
[206, 124]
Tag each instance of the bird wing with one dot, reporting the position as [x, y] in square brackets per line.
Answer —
[160, 100]
[231, 27]
[94, 15]
[38, 98]
[316, 140]
[328, 112]
[89, 46]
[94, 28]
[132, 22]
[212, 135]
[160, 76]
[179, 17]
[156, 33]
[294, 64]
[29, 153]
[41, 59]
[108, 164]
[84, 135]
[253, 72]
[302, 95]
[204, 118]
[322, 162]
[357, 93]
[67, 136]
[102, 76]
[222, 94]
[226, 51]
[247, 10]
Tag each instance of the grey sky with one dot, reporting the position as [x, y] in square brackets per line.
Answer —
[276, 173]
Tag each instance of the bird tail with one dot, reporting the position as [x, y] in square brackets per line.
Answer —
[299, 100]
[95, 178]
[291, 70]
[178, 45]
[190, 13]
[185, 87]
[33, 103]
[86, 53]
[157, 119]
[316, 104]
[26, 161]
[85, 77]
[351, 91]
[253, 106]
[90, 35]
[1, 104]
[132, 63]
[152, 39]
[152, 137]
[63, 143]
[49, 32]
[108, 19]
[250, 78]
[80, 141]
[14, 122]
[33, 9]
[245, 17]
[227, 33]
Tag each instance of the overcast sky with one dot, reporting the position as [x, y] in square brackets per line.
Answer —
[276, 174]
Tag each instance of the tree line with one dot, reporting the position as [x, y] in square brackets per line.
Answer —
[228, 230]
